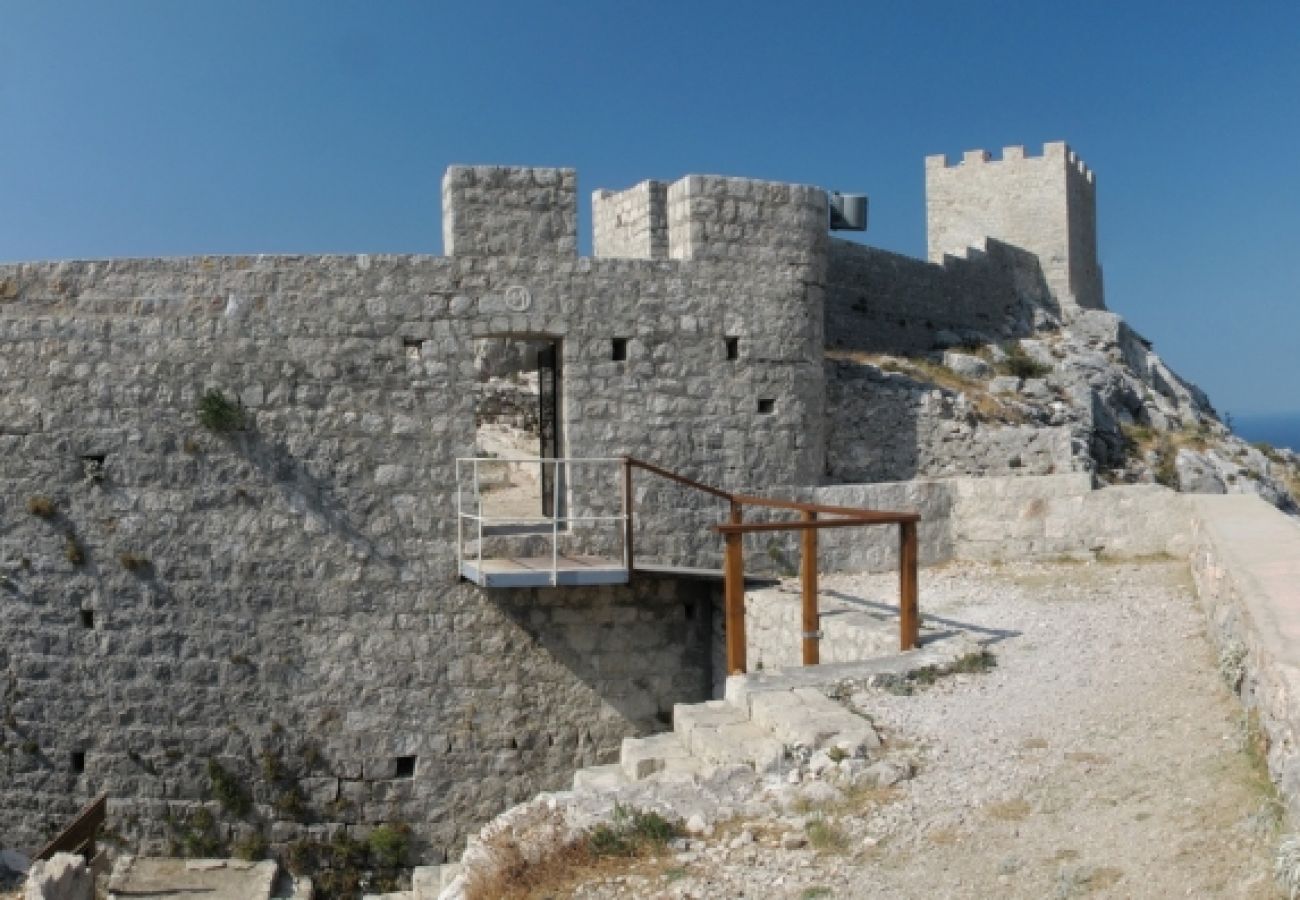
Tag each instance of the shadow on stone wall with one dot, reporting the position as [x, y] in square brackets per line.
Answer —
[883, 302]
[629, 653]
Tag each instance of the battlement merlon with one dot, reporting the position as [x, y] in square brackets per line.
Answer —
[768, 222]
[1053, 150]
[631, 224]
[510, 211]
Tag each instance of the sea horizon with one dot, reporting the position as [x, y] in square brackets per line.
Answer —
[1280, 429]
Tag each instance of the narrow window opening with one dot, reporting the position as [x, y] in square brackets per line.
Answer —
[618, 350]
[87, 618]
[766, 407]
[78, 761]
[689, 610]
[92, 466]
[733, 347]
[404, 767]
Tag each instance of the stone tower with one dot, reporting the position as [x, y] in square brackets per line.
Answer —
[1044, 204]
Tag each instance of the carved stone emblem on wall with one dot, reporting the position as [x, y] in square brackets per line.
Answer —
[518, 298]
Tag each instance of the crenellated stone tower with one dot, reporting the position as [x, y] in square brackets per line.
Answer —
[1046, 205]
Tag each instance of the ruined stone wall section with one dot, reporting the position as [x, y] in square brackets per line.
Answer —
[508, 210]
[631, 224]
[885, 426]
[1045, 205]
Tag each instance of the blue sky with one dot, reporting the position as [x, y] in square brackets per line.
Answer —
[158, 128]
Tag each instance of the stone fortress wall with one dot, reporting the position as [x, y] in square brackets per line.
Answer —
[289, 592]
[294, 584]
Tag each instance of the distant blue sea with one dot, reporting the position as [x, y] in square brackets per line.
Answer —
[1278, 429]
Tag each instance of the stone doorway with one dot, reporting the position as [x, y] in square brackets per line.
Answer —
[517, 421]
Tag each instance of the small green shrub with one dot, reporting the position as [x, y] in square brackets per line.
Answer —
[227, 790]
[389, 845]
[251, 847]
[1021, 364]
[631, 831]
[73, 550]
[219, 413]
[196, 836]
[827, 836]
[41, 507]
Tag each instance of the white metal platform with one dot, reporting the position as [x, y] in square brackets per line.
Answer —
[556, 569]
[543, 571]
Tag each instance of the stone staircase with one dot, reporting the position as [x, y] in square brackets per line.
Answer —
[757, 730]
[721, 753]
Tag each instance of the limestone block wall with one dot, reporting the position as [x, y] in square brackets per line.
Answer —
[1061, 515]
[879, 301]
[1004, 518]
[886, 426]
[1045, 205]
[506, 210]
[190, 596]
[1246, 564]
[632, 224]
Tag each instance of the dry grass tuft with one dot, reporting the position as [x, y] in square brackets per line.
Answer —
[1008, 810]
[987, 407]
[513, 874]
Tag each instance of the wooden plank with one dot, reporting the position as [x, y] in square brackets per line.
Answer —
[734, 598]
[79, 835]
[811, 637]
[909, 618]
[627, 513]
[876, 519]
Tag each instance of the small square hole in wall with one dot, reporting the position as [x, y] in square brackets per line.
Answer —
[618, 350]
[413, 347]
[766, 407]
[733, 347]
[404, 767]
[77, 761]
[87, 618]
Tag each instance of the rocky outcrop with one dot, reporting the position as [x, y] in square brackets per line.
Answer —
[1085, 394]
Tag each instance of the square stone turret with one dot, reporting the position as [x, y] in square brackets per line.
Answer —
[509, 211]
[1044, 204]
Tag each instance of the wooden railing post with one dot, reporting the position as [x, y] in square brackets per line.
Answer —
[733, 576]
[627, 514]
[909, 620]
[808, 577]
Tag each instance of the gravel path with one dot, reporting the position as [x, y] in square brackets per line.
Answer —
[1101, 757]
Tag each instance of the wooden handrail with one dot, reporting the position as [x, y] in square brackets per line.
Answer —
[841, 522]
[79, 836]
[810, 522]
[680, 479]
[769, 502]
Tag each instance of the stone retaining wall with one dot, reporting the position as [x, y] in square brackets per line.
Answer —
[1246, 563]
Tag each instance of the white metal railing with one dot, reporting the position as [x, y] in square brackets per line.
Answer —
[559, 511]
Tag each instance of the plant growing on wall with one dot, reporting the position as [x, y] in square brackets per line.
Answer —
[41, 507]
[219, 413]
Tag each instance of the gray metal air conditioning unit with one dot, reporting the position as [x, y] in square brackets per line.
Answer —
[848, 211]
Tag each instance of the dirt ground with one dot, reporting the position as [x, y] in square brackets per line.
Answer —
[1101, 757]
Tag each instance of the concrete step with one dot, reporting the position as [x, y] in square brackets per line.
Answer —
[711, 714]
[807, 717]
[734, 743]
[642, 757]
[600, 778]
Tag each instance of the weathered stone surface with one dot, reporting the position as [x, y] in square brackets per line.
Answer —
[63, 877]
[966, 365]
